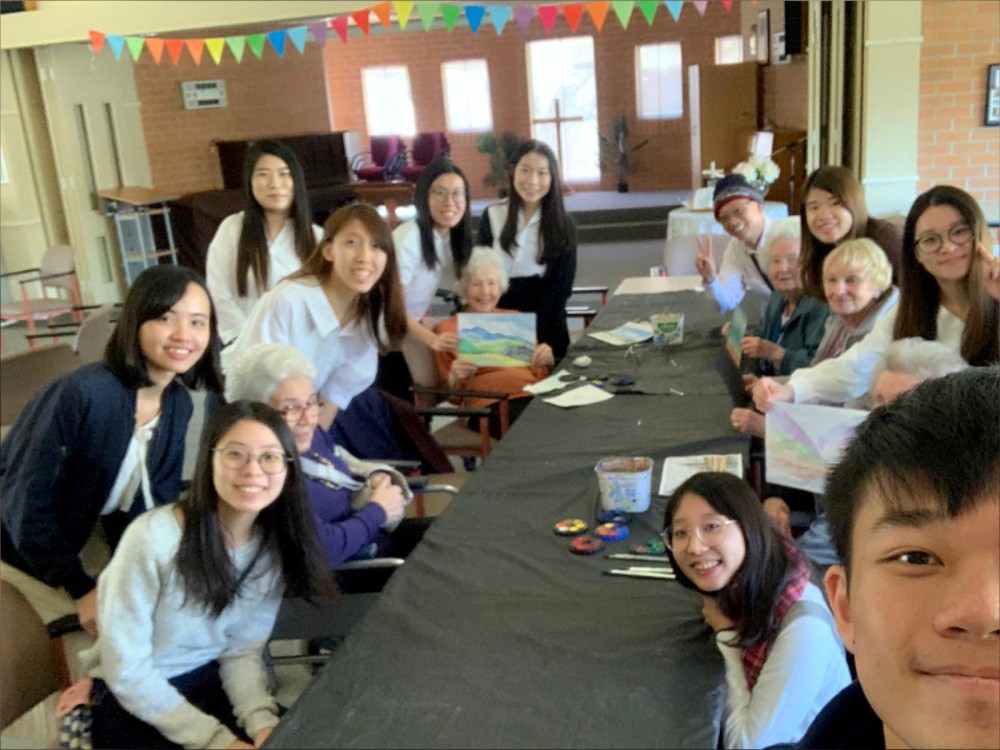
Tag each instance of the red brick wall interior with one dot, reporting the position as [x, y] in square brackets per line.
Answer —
[663, 164]
[270, 96]
[960, 40]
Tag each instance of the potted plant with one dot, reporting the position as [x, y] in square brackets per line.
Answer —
[760, 172]
[501, 151]
[616, 154]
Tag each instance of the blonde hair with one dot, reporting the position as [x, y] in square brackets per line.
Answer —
[864, 256]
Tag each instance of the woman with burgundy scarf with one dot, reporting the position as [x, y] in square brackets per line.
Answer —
[783, 657]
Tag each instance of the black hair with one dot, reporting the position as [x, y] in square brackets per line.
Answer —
[252, 253]
[154, 292]
[461, 233]
[286, 527]
[750, 597]
[554, 230]
[920, 293]
[938, 444]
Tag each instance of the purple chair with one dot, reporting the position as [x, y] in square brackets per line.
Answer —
[426, 147]
[384, 160]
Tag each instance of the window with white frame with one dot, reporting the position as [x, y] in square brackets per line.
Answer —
[388, 100]
[467, 103]
[659, 81]
[728, 49]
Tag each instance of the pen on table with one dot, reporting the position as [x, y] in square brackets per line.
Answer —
[663, 575]
[633, 556]
[676, 392]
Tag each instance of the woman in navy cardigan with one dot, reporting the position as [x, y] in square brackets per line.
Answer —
[107, 440]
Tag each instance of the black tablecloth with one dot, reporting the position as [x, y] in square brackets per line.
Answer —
[494, 635]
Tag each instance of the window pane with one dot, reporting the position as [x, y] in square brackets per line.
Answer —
[659, 81]
[728, 50]
[467, 95]
[388, 101]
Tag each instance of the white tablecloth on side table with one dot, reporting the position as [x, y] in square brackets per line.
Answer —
[683, 222]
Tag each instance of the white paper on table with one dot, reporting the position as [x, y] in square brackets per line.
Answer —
[658, 284]
[582, 396]
[677, 469]
[627, 333]
[551, 383]
[804, 440]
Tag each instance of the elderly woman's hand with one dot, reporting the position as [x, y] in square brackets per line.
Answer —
[768, 391]
[390, 498]
[754, 346]
[461, 370]
[542, 357]
[749, 381]
[748, 421]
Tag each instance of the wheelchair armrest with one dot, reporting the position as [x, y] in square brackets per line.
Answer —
[460, 392]
[450, 411]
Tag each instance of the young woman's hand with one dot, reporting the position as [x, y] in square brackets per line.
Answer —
[239, 745]
[713, 615]
[542, 357]
[754, 346]
[461, 370]
[445, 342]
[748, 421]
[86, 610]
[261, 736]
[704, 263]
[388, 496]
[991, 272]
[779, 512]
[767, 392]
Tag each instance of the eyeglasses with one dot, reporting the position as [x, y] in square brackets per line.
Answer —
[710, 532]
[270, 462]
[929, 244]
[293, 412]
[441, 195]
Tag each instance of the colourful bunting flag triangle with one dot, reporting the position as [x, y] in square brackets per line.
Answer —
[256, 44]
[339, 24]
[155, 47]
[404, 9]
[319, 33]
[598, 12]
[135, 45]
[648, 9]
[297, 35]
[474, 15]
[116, 42]
[523, 15]
[499, 14]
[700, 5]
[573, 13]
[427, 13]
[277, 40]
[195, 47]
[236, 45]
[174, 48]
[674, 6]
[363, 19]
[727, 4]
[547, 14]
[96, 42]
[383, 12]
[449, 14]
[215, 46]
[623, 9]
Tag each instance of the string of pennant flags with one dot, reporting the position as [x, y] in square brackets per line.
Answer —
[427, 12]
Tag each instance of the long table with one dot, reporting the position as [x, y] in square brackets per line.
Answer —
[494, 635]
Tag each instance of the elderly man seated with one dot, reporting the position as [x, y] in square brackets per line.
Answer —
[483, 282]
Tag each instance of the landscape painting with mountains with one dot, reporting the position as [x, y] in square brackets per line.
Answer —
[496, 339]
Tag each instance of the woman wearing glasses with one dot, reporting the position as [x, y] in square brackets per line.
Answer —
[277, 374]
[949, 292]
[190, 597]
[783, 657]
[436, 243]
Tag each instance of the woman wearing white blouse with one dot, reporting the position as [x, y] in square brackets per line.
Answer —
[269, 239]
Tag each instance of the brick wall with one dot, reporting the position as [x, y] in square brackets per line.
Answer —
[270, 96]
[664, 163]
[960, 39]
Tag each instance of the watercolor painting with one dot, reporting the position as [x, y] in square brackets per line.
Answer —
[804, 440]
[737, 330]
[496, 339]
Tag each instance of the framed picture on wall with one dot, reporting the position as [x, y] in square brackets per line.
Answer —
[763, 36]
[993, 96]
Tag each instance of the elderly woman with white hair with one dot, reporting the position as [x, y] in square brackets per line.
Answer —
[484, 280]
[792, 326]
[857, 282]
[352, 514]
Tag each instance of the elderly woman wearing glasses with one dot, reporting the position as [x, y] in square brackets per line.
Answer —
[352, 515]
[783, 657]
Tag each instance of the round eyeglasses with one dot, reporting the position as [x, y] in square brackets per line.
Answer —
[929, 244]
[293, 412]
[441, 195]
[270, 462]
[710, 532]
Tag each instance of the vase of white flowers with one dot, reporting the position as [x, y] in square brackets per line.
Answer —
[759, 171]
